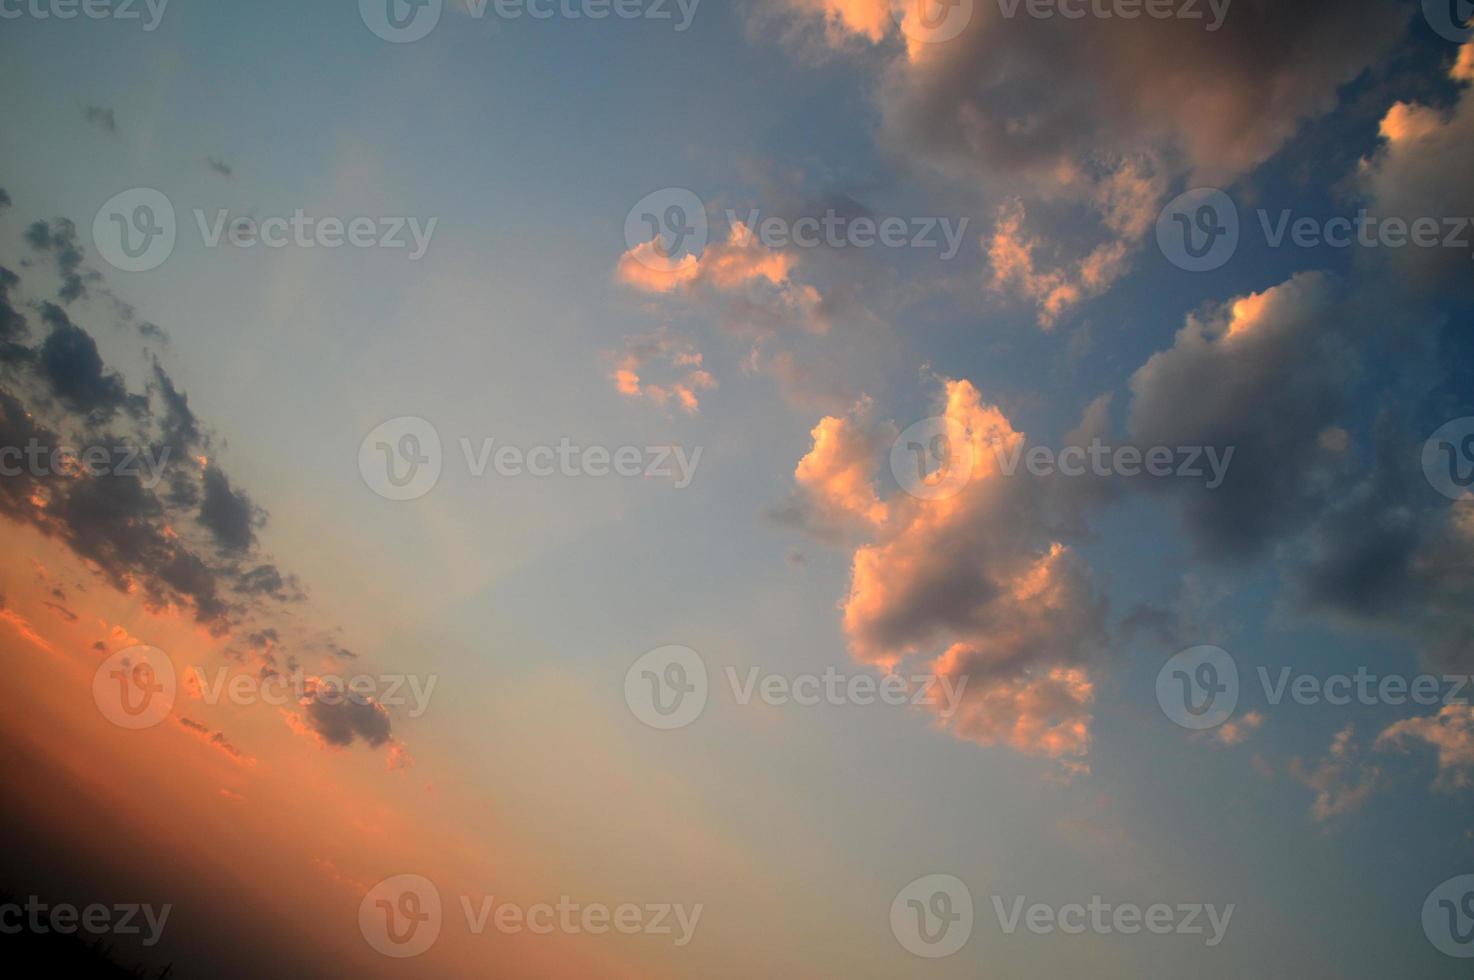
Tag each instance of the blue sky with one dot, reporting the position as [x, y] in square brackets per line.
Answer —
[795, 548]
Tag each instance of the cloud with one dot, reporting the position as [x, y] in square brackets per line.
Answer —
[677, 361]
[340, 717]
[972, 584]
[1424, 168]
[70, 361]
[750, 284]
[1236, 731]
[227, 512]
[1451, 732]
[1270, 375]
[1391, 555]
[59, 240]
[1087, 124]
[1340, 781]
[188, 541]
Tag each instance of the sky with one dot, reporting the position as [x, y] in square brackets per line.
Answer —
[738, 487]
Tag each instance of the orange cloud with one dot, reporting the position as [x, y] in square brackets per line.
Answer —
[674, 356]
[972, 574]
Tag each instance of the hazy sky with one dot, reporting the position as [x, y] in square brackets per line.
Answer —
[527, 370]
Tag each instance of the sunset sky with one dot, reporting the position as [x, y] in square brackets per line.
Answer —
[723, 329]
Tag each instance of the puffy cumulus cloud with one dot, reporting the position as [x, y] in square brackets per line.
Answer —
[1096, 121]
[1023, 97]
[1450, 732]
[1268, 375]
[752, 283]
[1424, 169]
[1341, 781]
[1392, 556]
[676, 360]
[1054, 289]
[1115, 206]
[971, 583]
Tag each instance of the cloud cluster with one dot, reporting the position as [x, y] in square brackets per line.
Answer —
[1089, 124]
[178, 535]
[973, 583]
[677, 361]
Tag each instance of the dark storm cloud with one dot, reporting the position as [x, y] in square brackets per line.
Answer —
[70, 361]
[181, 428]
[227, 513]
[340, 717]
[59, 240]
[135, 528]
[1270, 376]
[1020, 97]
